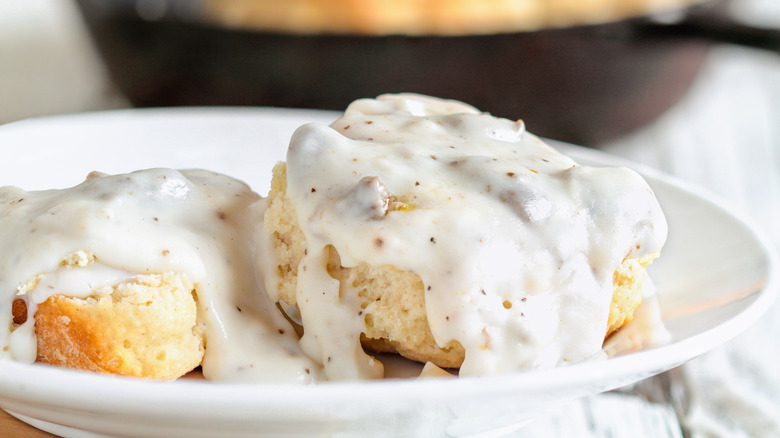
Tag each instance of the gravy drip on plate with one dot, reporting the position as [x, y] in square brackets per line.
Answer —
[146, 222]
[515, 243]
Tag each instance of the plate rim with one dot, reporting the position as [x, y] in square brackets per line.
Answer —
[435, 389]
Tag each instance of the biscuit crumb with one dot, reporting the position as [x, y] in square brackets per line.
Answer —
[80, 259]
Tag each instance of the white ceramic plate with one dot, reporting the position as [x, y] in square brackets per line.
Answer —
[715, 278]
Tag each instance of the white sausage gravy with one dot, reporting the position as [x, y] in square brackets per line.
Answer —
[145, 222]
[515, 243]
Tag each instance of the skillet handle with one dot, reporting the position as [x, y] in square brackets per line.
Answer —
[713, 22]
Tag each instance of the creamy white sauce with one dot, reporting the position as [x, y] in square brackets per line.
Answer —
[516, 244]
[145, 222]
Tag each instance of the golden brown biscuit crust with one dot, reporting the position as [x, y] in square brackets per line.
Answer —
[145, 327]
[393, 300]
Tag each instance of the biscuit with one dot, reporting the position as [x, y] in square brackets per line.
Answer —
[144, 327]
[393, 300]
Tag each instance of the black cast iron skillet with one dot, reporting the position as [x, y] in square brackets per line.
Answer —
[582, 84]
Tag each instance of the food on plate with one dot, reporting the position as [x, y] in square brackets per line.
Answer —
[414, 17]
[144, 327]
[146, 274]
[410, 225]
[425, 227]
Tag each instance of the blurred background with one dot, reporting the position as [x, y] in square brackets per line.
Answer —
[688, 87]
[583, 72]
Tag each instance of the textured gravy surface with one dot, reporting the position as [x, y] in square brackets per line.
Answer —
[150, 221]
[516, 244]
